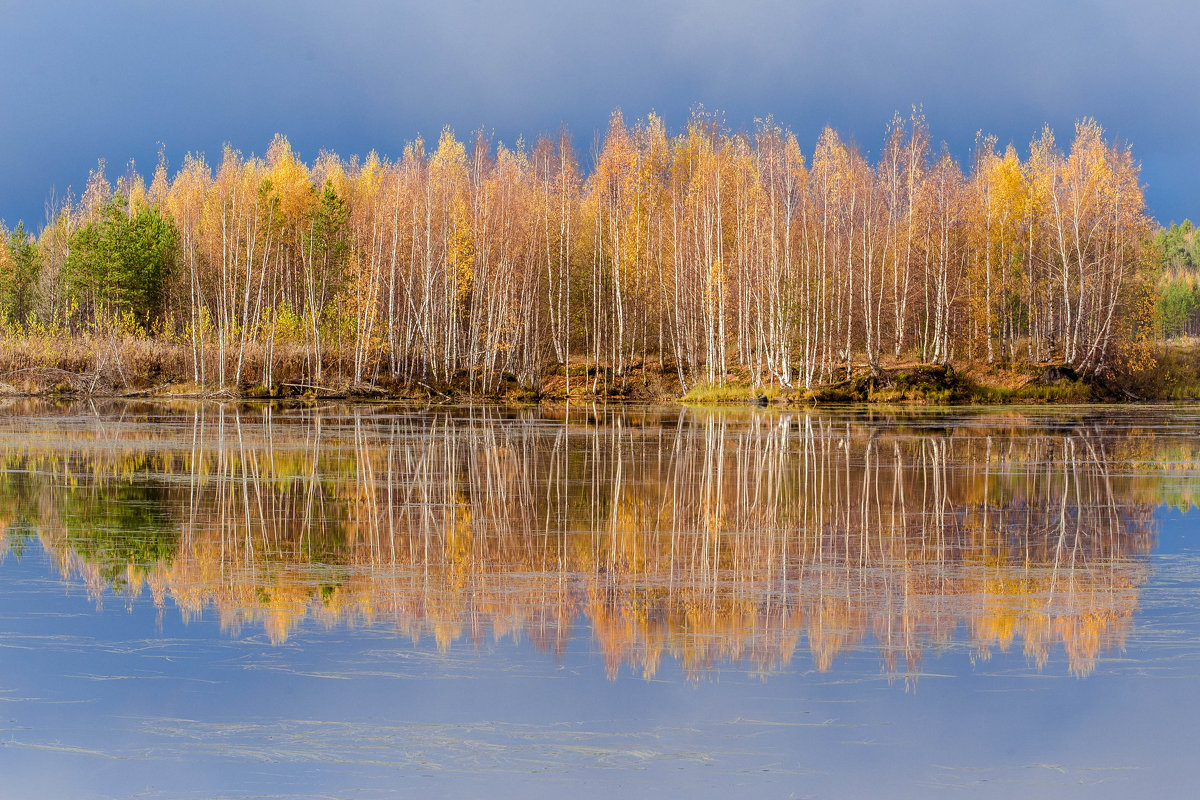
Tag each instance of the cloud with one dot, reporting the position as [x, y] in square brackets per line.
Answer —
[112, 80]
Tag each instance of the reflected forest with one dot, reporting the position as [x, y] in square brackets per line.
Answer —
[708, 538]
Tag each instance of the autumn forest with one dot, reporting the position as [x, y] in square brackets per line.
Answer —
[703, 256]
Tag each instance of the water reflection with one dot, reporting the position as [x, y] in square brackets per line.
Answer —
[706, 537]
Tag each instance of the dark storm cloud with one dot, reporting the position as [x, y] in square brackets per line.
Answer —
[89, 80]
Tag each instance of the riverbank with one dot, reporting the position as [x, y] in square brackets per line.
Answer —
[931, 384]
[142, 367]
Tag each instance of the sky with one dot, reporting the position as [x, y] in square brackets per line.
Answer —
[80, 81]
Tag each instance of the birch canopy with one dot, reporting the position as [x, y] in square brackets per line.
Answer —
[703, 253]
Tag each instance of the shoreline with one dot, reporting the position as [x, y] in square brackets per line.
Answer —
[900, 385]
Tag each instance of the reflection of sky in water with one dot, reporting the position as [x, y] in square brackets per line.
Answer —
[128, 700]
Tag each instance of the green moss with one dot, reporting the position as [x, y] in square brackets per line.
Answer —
[708, 394]
[258, 391]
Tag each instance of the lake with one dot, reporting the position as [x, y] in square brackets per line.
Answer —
[204, 600]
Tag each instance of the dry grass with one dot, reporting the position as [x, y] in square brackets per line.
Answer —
[44, 363]
[94, 364]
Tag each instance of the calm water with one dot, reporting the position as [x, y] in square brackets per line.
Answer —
[205, 601]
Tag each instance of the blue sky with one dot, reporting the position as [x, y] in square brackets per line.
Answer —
[112, 80]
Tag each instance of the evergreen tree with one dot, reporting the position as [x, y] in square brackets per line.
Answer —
[120, 261]
[18, 277]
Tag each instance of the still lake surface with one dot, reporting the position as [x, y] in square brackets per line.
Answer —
[202, 601]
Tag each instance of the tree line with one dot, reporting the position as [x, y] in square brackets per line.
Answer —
[1177, 248]
[704, 253]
